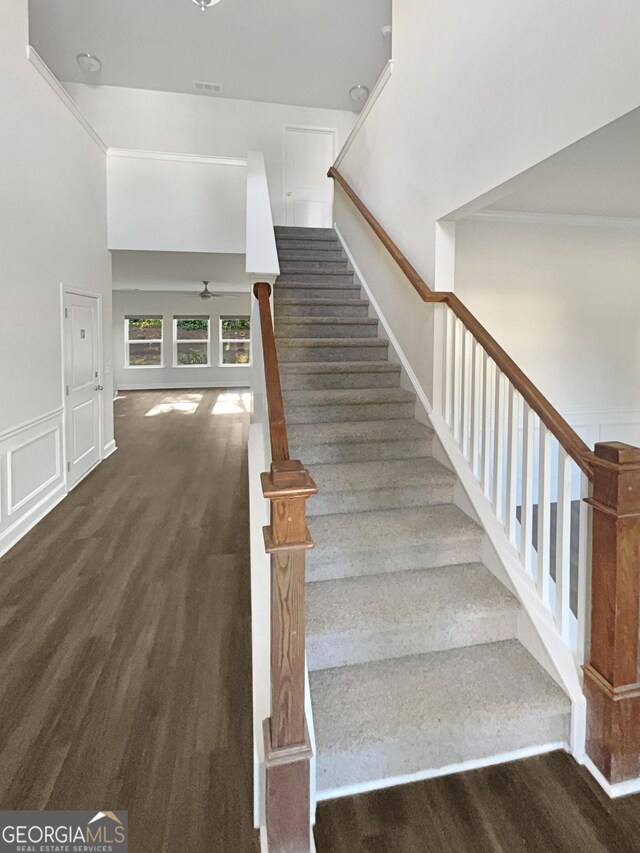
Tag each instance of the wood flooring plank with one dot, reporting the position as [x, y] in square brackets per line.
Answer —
[545, 804]
[125, 636]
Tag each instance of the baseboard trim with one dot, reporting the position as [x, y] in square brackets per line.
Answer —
[434, 773]
[12, 535]
[108, 449]
[619, 789]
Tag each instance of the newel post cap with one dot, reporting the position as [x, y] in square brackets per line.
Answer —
[617, 453]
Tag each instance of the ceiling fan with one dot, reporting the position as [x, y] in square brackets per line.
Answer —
[206, 293]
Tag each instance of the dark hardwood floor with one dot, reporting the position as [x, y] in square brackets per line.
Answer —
[125, 665]
[546, 804]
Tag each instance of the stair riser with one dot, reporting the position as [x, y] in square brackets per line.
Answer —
[341, 413]
[304, 309]
[304, 254]
[320, 353]
[290, 244]
[398, 757]
[330, 565]
[337, 381]
[334, 292]
[328, 266]
[295, 232]
[372, 499]
[305, 277]
[366, 451]
[450, 630]
[326, 330]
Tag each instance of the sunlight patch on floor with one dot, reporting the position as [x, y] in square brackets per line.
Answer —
[185, 404]
[232, 404]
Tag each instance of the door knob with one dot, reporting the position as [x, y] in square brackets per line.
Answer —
[289, 193]
[98, 388]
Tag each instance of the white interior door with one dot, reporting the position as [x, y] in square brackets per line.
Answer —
[308, 193]
[82, 384]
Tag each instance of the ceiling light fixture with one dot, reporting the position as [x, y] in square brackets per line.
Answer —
[359, 95]
[89, 63]
[204, 4]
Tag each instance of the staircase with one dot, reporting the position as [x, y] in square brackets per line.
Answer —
[411, 642]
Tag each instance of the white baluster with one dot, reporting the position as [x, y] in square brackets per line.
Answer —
[459, 331]
[563, 545]
[526, 520]
[449, 364]
[498, 446]
[487, 419]
[476, 426]
[544, 514]
[584, 570]
[467, 395]
[513, 428]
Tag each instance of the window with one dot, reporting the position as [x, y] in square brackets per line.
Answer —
[191, 341]
[235, 341]
[143, 341]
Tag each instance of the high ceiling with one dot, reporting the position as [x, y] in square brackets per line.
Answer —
[597, 176]
[300, 52]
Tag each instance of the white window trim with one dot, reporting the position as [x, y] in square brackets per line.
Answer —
[222, 341]
[129, 366]
[191, 341]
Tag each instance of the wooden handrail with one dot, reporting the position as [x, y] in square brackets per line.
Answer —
[275, 404]
[286, 486]
[548, 414]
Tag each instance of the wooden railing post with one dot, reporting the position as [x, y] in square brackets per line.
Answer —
[286, 739]
[287, 748]
[611, 675]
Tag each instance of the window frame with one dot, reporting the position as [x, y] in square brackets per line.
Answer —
[222, 340]
[127, 342]
[178, 317]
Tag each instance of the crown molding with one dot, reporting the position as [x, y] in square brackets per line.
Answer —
[531, 218]
[47, 75]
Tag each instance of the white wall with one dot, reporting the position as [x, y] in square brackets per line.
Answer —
[170, 204]
[53, 230]
[193, 124]
[481, 92]
[410, 319]
[169, 304]
[564, 302]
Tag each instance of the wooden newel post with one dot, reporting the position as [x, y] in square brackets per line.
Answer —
[611, 676]
[286, 739]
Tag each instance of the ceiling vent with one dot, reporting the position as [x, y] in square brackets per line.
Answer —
[203, 88]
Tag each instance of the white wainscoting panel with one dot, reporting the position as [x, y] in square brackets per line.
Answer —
[31, 475]
[593, 425]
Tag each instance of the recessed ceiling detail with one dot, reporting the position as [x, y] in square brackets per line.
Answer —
[303, 53]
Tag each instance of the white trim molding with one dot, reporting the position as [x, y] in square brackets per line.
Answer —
[136, 154]
[619, 789]
[47, 75]
[434, 773]
[523, 217]
[369, 104]
[32, 479]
